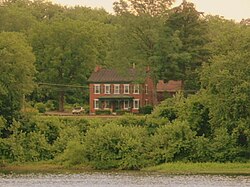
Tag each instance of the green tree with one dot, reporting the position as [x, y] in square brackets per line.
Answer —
[192, 31]
[226, 79]
[139, 7]
[66, 53]
[16, 19]
[17, 73]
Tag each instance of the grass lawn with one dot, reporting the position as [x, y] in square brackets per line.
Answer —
[201, 168]
[168, 168]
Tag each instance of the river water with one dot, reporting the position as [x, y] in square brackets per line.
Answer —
[121, 179]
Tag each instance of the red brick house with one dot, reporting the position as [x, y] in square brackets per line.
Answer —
[118, 91]
[168, 89]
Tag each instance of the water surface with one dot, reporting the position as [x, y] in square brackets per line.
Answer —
[120, 179]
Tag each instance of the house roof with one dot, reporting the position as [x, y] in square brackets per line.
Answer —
[170, 86]
[112, 75]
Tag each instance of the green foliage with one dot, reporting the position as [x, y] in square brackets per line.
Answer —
[152, 8]
[195, 111]
[169, 108]
[193, 33]
[73, 154]
[212, 125]
[146, 109]
[103, 112]
[223, 146]
[172, 142]
[131, 120]
[114, 146]
[41, 107]
[17, 71]
[2, 125]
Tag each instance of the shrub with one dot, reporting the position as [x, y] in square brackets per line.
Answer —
[131, 120]
[172, 142]
[103, 112]
[41, 107]
[50, 105]
[73, 154]
[146, 109]
[114, 146]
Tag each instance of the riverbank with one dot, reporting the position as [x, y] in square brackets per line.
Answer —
[201, 168]
[168, 168]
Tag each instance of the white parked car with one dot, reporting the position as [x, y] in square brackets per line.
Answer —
[78, 110]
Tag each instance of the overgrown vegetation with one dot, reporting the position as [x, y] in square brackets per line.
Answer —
[42, 42]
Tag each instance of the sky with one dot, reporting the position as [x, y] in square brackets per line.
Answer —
[229, 9]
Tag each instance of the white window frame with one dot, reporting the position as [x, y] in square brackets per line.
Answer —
[124, 104]
[107, 91]
[146, 89]
[116, 91]
[96, 104]
[124, 86]
[97, 87]
[105, 104]
[136, 89]
[146, 102]
[134, 103]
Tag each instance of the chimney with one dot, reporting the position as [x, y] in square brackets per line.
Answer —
[97, 68]
[133, 65]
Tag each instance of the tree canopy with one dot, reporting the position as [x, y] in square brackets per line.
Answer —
[17, 72]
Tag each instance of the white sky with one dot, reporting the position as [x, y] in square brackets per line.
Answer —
[230, 9]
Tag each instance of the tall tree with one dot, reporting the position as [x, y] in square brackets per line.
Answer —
[140, 7]
[192, 29]
[67, 51]
[17, 72]
[226, 78]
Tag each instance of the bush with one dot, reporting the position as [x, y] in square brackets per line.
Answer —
[172, 142]
[50, 105]
[73, 154]
[114, 146]
[146, 109]
[103, 112]
[41, 107]
[122, 112]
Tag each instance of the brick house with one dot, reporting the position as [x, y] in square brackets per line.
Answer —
[119, 91]
[168, 89]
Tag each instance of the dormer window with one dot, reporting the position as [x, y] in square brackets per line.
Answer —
[107, 88]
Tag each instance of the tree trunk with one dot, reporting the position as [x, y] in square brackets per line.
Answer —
[61, 101]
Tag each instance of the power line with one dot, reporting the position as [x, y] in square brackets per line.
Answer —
[61, 85]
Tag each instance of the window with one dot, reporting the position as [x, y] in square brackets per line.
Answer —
[136, 103]
[146, 102]
[136, 89]
[96, 103]
[116, 88]
[107, 88]
[126, 88]
[146, 89]
[126, 104]
[97, 88]
[107, 104]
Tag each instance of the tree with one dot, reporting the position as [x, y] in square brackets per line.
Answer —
[140, 7]
[17, 73]
[15, 19]
[192, 31]
[67, 51]
[225, 79]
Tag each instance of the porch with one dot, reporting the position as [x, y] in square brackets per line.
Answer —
[116, 104]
